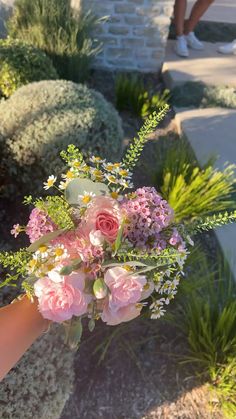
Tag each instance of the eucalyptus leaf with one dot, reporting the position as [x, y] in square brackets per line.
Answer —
[79, 186]
[44, 239]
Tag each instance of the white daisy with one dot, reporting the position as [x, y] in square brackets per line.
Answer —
[50, 182]
[85, 198]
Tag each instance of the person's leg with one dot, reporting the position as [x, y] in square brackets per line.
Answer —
[199, 8]
[179, 15]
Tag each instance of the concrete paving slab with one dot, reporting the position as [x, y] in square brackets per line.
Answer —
[219, 11]
[212, 132]
[207, 66]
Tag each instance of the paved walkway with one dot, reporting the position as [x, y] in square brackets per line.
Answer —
[207, 66]
[211, 132]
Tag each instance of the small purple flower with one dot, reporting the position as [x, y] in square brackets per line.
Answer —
[148, 215]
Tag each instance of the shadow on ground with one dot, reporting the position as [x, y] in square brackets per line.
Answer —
[139, 378]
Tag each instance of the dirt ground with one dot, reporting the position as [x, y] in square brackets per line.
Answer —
[141, 377]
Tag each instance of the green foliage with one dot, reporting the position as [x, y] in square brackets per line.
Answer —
[136, 147]
[200, 95]
[224, 384]
[206, 223]
[199, 192]
[58, 210]
[72, 154]
[41, 119]
[54, 27]
[131, 95]
[21, 64]
[15, 262]
[190, 190]
[206, 314]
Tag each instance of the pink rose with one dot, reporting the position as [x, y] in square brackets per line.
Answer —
[104, 215]
[60, 300]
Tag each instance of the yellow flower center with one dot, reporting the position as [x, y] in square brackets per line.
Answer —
[43, 249]
[69, 174]
[32, 263]
[110, 167]
[124, 172]
[86, 199]
[112, 179]
[50, 182]
[59, 251]
[114, 195]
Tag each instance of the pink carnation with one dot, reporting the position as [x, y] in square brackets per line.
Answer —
[126, 290]
[104, 215]
[78, 245]
[39, 224]
[124, 314]
[59, 300]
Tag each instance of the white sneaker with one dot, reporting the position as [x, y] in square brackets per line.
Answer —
[228, 48]
[193, 42]
[181, 47]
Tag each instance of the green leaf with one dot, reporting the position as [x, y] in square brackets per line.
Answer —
[91, 325]
[100, 288]
[118, 239]
[67, 270]
[74, 332]
[44, 239]
[129, 263]
[79, 186]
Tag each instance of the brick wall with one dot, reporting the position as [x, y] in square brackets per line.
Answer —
[135, 34]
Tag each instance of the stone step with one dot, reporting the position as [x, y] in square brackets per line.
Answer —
[207, 66]
[211, 132]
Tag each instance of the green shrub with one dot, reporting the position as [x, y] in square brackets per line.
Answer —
[21, 64]
[41, 382]
[41, 119]
[131, 95]
[190, 190]
[63, 34]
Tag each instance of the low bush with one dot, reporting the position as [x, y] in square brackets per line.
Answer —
[21, 64]
[42, 381]
[41, 119]
[132, 95]
[61, 32]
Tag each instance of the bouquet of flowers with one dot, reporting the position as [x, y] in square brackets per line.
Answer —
[100, 249]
